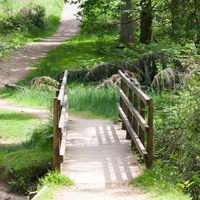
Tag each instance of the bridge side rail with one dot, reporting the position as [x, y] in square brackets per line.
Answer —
[132, 117]
[60, 119]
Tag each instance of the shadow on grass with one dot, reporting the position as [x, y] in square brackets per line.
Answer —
[15, 116]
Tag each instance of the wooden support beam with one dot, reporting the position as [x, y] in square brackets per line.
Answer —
[134, 136]
[133, 110]
[149, 160]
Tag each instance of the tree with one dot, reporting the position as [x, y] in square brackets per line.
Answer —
[146, 21]
[94, 12]
[127, 23]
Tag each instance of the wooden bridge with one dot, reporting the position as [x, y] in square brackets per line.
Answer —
[92, 151]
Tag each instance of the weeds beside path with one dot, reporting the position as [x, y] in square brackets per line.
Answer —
[22, 61]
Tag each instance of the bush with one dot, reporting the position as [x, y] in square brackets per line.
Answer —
[25, 18]
[177, 140]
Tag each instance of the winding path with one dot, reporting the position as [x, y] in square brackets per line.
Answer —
[22, 61]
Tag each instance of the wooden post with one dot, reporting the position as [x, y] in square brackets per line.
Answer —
[122, 104]
[56, 137]
[142, 112]
[130, 117]
[125, 108]
[149, 160]
[135, 124]
[32, 194]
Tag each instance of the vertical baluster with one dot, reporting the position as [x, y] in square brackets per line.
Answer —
[135, 124]
[142, 112]
[149, 160]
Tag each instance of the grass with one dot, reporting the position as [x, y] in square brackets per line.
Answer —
[12, 38]
[29, 97]
[155, 182]
[17, 126]
[53, 181]
[97, 103]
[21, 164]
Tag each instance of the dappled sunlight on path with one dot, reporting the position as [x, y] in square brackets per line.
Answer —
[22, 61]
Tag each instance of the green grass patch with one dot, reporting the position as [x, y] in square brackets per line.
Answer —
[99, 103]
[29, 97]
[23, 163]
[156, 182]
[53, 181]
[17, 126]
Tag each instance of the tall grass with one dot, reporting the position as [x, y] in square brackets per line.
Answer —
[99, 103]
[29, 97]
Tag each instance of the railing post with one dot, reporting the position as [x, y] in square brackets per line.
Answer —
[142, 112]
[130, 117]
[149, 160]
[122, 104]
[56, 135]
[135, 124]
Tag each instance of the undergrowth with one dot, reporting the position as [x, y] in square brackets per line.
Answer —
[23, 163]
[25, 21]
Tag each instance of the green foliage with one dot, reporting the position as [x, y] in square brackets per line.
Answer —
[55, 178]
[159, 183]
[27, 17]
[22, 22]
[22, 164]
[177, 138]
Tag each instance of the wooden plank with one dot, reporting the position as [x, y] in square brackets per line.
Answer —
[142, 112]
[56, 137]
[134, 112]
[125, 109]
[39, 193]
[130, 117]
[135, 122]
[31, 195]
[64, 131]
[149, 160]
[134, 136]
[135, 89]
[62, 145]
[122, 103]
[65, 107]
[62, 88]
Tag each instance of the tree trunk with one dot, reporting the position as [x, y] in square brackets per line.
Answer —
[175, 14]
[146, 22]
[127, 23]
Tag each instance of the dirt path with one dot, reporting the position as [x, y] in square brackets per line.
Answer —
[21, 63]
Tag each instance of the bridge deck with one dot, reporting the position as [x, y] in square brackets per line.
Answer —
[98, 153]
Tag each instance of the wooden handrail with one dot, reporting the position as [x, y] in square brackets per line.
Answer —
[135, 89]
[131, 117]
[60, 119]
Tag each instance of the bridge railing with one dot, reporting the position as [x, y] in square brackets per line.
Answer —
[60, 120]
[133, 117]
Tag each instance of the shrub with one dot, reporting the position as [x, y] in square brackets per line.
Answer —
[177, 140]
